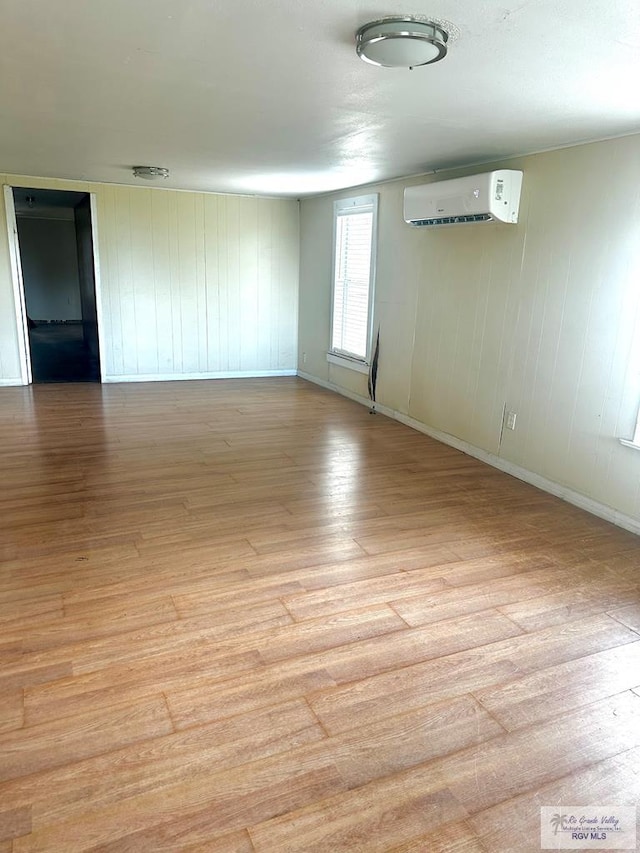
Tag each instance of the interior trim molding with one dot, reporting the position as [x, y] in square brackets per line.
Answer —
[348, 363]
[174, 377]
[627, 522]
[10, 382]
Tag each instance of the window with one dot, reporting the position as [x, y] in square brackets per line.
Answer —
[632, 383]
[353, 274]
[635, 441]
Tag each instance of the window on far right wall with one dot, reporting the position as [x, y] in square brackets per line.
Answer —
[355, 225]
[635, 440]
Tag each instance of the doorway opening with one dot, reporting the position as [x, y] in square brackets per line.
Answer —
[55, 244]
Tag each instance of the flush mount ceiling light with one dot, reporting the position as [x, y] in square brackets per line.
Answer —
[150, 173]
[401, 42]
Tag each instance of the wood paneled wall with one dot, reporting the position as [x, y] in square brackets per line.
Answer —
[539, 318]
[192, 284]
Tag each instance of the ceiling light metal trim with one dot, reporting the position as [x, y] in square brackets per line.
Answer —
[386, 31]
[150, 173]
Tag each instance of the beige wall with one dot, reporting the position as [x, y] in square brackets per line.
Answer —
[541, 317]
[191, 283]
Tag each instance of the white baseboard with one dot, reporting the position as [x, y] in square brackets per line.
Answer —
[176, 377]
[5, 383]
[608, 513]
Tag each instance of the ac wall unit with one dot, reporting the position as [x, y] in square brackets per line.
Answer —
[492, 196]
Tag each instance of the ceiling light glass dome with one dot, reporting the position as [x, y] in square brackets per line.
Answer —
[401, 42]
[150, 173]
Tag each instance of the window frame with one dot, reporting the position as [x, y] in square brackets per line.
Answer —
[635, 441]
[369, 203]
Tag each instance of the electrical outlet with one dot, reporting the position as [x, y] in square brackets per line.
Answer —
[511, 420]
[304, 358]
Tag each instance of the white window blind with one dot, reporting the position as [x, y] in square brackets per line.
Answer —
[353, 276]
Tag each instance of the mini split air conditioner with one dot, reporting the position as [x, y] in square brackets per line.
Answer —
[492, 196]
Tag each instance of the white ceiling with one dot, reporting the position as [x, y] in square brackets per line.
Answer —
[268, 96]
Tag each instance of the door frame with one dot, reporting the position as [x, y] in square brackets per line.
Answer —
[18, 288]
[17, 280]
[97, 284]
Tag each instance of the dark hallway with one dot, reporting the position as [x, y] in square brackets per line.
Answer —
[56, 251]
[59, 354]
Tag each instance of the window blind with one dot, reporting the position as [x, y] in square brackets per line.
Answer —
[352, 281]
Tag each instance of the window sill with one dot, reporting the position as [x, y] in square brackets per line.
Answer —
[349, 363]
[628, 443]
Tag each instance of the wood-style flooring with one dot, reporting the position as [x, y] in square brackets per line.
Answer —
[249, 617]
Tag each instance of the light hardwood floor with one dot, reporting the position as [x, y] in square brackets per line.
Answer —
[248, 616]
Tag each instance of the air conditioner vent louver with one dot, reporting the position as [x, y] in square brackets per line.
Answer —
[453, 220]
[489, 197]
